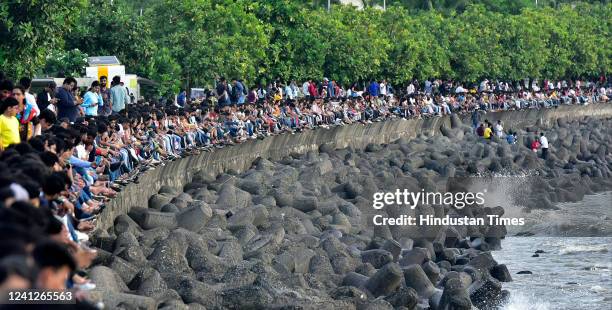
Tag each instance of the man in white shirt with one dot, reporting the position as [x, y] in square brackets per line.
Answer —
[29, 98]
[305, 87]
[383, 88]
[410, 89]
[459, 89]
[544, 145]
[499, 129]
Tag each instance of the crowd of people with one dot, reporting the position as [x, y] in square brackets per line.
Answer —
[63, 156]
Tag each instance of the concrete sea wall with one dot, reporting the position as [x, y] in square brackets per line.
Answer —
[240, 157]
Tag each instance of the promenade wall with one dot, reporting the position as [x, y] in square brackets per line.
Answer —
[240, 157]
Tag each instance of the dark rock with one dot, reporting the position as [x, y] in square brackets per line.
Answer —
[107, 279]
[454, 296]
[170, 208]
[169, 255]
[366, 269]
[168, 190]
[385, 280]
[501, 273]
[126, 271]
[155, 219]
[157, 201]
[432, 271]
[124, 223]
[414, 256]
[486, 294]
[403, 297]
[377, 257]
[194, 218]
[483, 262]
[305, 203]
[347, 292]
[392, 247]
[128, 301]
[416, 278]
[373, 148]
[354, 279]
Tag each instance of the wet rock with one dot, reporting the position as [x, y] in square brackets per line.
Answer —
[501, 273]
[486, 294]
[454, 296]
[483, 262]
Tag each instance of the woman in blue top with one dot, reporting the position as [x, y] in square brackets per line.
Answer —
[92, 99]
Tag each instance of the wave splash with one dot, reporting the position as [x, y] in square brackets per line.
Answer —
[524, 302]
[576, 249]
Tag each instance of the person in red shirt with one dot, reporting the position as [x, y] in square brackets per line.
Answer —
[312, 89]
[535, 144]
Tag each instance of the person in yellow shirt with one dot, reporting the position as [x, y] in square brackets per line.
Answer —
[487, 132]
[9, 125]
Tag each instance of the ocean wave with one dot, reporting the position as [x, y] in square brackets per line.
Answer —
[524, 302]
[575, 249]
[598, 289]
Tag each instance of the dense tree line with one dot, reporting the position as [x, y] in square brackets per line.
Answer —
[195, 41]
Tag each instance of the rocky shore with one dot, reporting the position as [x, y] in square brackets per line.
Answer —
[298, 233]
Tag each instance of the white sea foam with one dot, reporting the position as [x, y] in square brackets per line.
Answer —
[598, 289]
[575, 249]
[524, 302]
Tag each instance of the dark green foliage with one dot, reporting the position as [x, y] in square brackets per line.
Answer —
[196, 41]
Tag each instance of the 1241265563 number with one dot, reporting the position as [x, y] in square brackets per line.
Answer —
[38, 297]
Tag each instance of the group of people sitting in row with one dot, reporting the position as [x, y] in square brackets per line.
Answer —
[61, 163]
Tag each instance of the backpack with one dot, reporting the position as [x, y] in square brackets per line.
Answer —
[244, 90]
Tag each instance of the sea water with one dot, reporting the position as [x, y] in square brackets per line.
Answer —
[575, 270]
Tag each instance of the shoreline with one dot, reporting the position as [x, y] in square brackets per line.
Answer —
[301, 221]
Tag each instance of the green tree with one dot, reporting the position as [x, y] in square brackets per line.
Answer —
[418, 45]
[111, 29]
[61, 63]
[211, 38]
[358, 45]
[164, 70]
[30, 29]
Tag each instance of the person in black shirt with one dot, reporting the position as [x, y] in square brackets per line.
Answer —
[46, 96]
